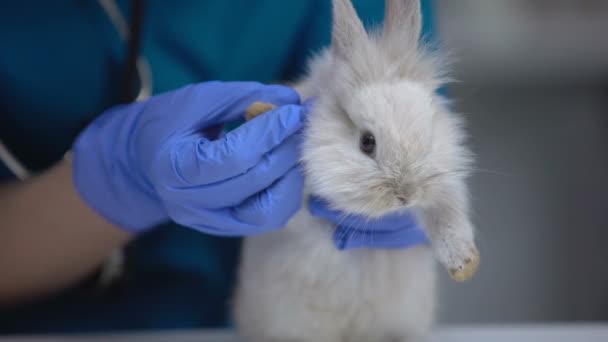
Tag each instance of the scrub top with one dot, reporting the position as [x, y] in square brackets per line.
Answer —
[62, 61]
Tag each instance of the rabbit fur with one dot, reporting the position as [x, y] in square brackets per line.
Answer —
[293, 284]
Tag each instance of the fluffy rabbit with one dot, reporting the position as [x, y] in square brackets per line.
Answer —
[294, 284]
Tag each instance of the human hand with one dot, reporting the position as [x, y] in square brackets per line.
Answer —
[144, 163]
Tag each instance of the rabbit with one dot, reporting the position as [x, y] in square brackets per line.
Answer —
[294, 284]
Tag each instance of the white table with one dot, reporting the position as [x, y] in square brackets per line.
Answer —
[485, 333]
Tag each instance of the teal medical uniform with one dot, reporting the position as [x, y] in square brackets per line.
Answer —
[62, 61]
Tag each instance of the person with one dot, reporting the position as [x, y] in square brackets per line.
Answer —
[174, 179]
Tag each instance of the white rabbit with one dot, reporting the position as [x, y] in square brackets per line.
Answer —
[294, 284]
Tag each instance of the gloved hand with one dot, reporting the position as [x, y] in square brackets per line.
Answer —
[353, 231]
[144, 163]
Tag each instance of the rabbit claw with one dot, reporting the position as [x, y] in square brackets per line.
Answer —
[467, 268]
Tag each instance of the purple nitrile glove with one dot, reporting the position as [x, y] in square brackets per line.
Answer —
[399, 230]
[144, 163]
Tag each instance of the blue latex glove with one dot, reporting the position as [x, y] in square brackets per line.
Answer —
[391, 231]
[144, 163]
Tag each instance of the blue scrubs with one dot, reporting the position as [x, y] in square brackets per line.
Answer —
[61, 61]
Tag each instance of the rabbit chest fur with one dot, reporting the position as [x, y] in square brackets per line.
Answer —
[298, 287]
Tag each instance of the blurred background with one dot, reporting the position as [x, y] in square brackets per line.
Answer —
[532, 83]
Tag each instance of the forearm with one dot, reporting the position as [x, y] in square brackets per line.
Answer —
[49, 238]
[451, 231]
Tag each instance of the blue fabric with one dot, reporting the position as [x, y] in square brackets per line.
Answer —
[62, 62]
[395, 230]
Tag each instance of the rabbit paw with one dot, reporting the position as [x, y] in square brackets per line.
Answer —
[459, 255]
[466, 267]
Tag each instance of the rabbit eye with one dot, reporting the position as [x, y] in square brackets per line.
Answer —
[368, 143]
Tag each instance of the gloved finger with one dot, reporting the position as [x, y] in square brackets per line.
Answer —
[213, 132]
[232, 192]
[265, 211]
[309, 103]
[231, 99]
[272, 208]
[198, 161]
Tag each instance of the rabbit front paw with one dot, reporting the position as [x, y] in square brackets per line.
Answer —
[466, 266]
[459, 255]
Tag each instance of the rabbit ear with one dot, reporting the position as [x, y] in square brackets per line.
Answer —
[403, 21]
[348, 30]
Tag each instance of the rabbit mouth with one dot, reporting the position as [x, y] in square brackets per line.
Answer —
[403, 200]
[406, 195]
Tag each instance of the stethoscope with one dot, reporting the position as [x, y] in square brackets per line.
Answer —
[144, 75]
[113, 266]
